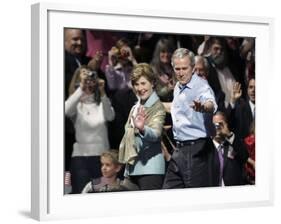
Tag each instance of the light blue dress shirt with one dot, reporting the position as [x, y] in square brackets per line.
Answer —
[187, 123]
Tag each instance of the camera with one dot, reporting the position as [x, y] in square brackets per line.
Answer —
[91, 80]
[92, 75]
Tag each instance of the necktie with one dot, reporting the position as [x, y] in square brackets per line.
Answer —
[220, 154]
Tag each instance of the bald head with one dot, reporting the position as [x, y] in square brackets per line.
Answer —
[74, 41]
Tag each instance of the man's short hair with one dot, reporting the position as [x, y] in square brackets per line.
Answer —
[181, 53]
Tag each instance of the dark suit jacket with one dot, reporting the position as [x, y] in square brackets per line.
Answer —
[241, 118]
[70, 65]
[214, 82]
[236, 65]
[235, 157]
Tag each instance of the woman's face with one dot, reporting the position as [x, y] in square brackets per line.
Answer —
[84, 73]
[143, 88]
[165, 57]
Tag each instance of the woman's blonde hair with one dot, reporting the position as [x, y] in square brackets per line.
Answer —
[75, 81]
[143, 70]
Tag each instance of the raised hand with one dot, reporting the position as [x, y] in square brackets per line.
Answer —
[112, 56]
[126, 52]
[139, 120]
[84, 73]
[96, 61]
[236, 92]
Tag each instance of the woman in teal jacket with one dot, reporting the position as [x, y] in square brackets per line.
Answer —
[140, 148]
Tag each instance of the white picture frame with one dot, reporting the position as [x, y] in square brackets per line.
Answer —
[48, 200]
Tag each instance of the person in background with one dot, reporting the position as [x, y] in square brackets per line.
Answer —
[75, 46]
[232, 154]
[250, 142]
[165, 82]
[222, 73]
[120, 65]
[201, 67]
[89, 109]
[162, 68]
[74, 56]
[243, 111]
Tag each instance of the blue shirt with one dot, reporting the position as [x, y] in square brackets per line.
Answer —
[187, 123]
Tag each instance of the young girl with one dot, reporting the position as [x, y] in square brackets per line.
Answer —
[90, 109]
[109, 180]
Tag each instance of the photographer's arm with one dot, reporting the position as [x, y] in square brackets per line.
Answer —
[72, 101]
[131, 56]
[107, 107]
[96, 61]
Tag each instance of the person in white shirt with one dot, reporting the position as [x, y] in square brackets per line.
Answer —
[90, 109]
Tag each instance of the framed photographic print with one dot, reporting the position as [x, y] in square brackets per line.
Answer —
[110, 42]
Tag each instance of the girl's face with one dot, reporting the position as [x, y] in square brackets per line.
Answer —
[165, 57]
[143, 88]
[108, 168]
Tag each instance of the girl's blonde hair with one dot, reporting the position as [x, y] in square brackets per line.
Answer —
[113, 155]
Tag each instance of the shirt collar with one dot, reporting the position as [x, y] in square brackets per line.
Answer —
[189, 85]
[252, 105]
[151, 100]
[231, 138]
[216, 144]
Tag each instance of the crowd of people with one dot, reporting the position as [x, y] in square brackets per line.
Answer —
[148, 111]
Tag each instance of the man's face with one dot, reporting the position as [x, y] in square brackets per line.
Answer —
[220, 126]
[252, 90]
[217, 53]
[183, 69]
[200, 69]
[216, 49]
[74, 41]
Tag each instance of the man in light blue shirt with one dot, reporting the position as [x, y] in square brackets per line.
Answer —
[194, 103]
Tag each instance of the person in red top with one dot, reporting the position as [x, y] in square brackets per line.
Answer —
[250, 144]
